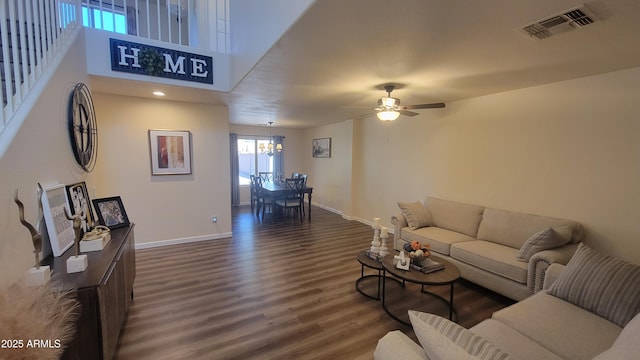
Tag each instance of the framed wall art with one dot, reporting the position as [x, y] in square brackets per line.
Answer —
[79, 204]
[59, 229]
[111, 212]
[321, 148]
[170, 152]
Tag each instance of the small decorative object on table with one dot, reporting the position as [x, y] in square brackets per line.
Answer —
[402, 262]
[384, 235]
[375, 243]
[77, 263]
[376, 257]
[37, 275]
[426, 265]
[420, 258]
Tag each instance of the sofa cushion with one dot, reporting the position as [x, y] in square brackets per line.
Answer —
[602, 284]
[559, 326]
[513, 228]
[492, 257]
[415, 214]
[455, 216]
[439, 239]
[512, 341]
[626, 345]
[443, 339]
[548, 238]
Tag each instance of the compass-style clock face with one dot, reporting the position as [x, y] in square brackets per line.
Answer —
[83, 128]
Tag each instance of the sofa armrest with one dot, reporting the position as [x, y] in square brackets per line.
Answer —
[552, 274]
[398, 223]
[540, 262]
[396, 345]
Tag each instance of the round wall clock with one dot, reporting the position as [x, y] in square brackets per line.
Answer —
[83, 128]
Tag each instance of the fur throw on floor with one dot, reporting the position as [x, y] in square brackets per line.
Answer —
[36, 322]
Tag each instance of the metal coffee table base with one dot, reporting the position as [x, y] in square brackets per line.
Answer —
[449, 302]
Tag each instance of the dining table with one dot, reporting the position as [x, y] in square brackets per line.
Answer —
[278, 188]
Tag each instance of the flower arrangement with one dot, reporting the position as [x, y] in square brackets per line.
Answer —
[417, 252]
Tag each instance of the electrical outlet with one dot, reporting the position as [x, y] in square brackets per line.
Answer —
[214, 219]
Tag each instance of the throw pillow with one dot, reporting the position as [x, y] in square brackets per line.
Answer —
[626, 345]
[443, 339]
[416, 214]
[548, 238]
[606, 286]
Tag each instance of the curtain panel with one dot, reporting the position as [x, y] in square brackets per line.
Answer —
[235, 169]
[278, 161]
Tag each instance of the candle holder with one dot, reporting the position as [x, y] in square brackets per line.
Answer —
[375, 243]
[384, 250]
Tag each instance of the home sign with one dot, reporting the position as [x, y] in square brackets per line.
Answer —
[144, 59]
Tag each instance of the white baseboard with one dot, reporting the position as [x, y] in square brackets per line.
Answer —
[153, 244]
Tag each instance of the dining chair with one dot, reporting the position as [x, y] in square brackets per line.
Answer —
[304, 176]
[263, 198]
[292, 198]
[266, 176]
[254, 191]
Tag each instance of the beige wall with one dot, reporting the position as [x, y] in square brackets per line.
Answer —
[330, 177]
[568, 149]
[40, 153]
[170, 208]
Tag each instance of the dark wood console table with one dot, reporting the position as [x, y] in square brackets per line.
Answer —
[104, 290]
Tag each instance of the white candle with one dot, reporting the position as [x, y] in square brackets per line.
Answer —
[384, 232]
[376, 222]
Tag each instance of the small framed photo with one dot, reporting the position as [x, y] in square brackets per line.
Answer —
[79, 204]
[170, 152]
[59, 228]
[111, 212]
[321, 148]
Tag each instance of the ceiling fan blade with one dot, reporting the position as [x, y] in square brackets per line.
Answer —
[366, 115]
[425, 106]
[408, 113]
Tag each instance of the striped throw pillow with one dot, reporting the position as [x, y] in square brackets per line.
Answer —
[548, 238]
[604, 285]
[416, 214]
[443, 339]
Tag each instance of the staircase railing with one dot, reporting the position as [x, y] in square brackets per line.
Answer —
[32, 36]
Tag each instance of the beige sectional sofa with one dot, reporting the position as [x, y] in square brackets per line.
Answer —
[588, 309]
[485, 242]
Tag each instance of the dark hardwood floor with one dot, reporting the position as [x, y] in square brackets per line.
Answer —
[272, 291]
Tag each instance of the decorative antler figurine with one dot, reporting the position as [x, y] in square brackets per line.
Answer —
[36, 237]
[77, 228]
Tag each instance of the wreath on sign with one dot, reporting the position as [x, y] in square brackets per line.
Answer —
[151, 62]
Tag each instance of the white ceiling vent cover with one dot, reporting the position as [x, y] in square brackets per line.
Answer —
[567, 20]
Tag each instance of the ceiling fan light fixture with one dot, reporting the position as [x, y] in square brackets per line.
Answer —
[389, 102]
[388, 115]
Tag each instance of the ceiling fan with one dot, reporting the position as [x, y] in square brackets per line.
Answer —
[389, 108]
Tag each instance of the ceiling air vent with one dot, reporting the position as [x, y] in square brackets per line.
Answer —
[567, 20]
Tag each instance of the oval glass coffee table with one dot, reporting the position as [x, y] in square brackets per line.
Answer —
[446, 276]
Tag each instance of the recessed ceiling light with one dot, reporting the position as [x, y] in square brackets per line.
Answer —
[158, 93]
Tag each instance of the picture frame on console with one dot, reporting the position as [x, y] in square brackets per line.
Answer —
[321, 148]
[80, 204]
[170, 152]
[111, 212]
[59, 228]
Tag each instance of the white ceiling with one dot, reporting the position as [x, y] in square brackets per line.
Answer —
[330, 66]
